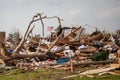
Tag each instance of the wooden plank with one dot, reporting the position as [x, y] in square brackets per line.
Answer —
[115, 65]
[71, 65]
[95, 71]
[94, 62]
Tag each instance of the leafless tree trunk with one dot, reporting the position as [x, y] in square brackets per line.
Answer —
[25, 35]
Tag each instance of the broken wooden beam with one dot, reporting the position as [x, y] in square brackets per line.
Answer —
[77, 38]
[22, 56]
[55, 42]
[72, 32]
[58, 18]
[94, 62]
[95, 71]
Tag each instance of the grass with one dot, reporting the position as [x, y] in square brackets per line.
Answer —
[105, 77]
[42, 74]
[48, 74]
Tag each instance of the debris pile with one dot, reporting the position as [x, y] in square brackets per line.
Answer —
[61, 50]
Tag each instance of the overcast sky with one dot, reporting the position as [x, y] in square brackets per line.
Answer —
[104, 14]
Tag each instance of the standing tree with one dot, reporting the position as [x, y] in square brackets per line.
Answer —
[15, 33]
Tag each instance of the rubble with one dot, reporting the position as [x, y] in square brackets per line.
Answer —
[60, 49]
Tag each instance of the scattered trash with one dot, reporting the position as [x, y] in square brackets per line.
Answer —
[76, 46]
[83, 46]
[63, 60]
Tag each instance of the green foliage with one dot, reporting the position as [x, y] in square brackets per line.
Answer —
[15, 33]
[101, 56]
[10, 35]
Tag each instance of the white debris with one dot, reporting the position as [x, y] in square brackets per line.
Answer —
[68, 53]
[82, 47]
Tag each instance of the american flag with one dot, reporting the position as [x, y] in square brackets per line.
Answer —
[49, 28]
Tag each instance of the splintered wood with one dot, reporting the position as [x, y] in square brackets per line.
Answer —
[2, 36]
[36, 51]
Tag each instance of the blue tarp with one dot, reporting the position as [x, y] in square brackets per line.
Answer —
[60, 61]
